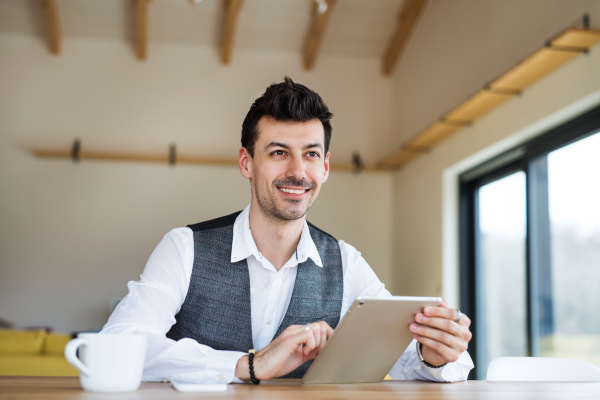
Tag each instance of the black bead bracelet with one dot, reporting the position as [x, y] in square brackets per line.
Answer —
[419, 347]
[251, 354]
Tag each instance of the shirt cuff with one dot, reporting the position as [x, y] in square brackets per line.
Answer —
[409, 366]
[221, 365]
[451, 372]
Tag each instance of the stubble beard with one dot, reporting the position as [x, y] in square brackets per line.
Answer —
[271, 209]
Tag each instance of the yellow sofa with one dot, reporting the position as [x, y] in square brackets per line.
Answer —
[34, 353]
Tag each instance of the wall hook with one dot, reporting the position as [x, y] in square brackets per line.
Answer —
[358, 163]
[172, 155]
[75, 150]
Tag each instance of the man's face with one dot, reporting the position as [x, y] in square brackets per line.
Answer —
[288, 168]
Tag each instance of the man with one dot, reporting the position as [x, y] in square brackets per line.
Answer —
[264, 278]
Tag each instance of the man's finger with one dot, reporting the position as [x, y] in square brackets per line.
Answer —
[300, 336]
[442, 324]
[447, 354]
[324, 332]
[316, 328]
[308, 338]
[439, 336]
[315, 352]
[441, 312]
[324, 326]
[328, 330]
[323, 339]
[465, 321]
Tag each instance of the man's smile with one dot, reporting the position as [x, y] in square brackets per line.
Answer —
[293, 192]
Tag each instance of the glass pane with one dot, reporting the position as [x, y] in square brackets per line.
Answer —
[574, 205]
[501, 270]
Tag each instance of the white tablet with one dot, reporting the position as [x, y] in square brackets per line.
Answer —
[368, 341]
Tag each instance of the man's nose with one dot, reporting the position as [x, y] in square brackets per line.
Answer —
[297, 169]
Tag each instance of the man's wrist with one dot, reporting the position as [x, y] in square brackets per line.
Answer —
[423, 361]
[242, 369]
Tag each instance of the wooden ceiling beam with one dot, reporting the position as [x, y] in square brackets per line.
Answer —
[316, 31]
[53, 32]
[232, 9]
[555, 53]
[141, 29]
[409, 14]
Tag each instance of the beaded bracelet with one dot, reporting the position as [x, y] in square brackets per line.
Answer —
[251, 354]
[419, 347]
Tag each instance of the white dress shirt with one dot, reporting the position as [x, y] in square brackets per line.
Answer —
[154, 300]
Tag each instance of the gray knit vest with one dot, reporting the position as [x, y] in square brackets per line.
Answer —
[216, 311]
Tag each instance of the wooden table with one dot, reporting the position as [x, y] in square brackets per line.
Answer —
[59, 388]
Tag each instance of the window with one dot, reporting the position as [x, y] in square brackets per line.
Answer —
[574, 206]
[500, 242]
[530, 248]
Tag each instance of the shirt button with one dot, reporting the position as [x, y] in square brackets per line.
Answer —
[277, 277]
[220, 377]
[268, 322]
[136, 293]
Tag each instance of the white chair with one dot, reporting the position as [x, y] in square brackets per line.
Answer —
[541, 369]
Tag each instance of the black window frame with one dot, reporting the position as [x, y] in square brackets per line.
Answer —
[531, 158]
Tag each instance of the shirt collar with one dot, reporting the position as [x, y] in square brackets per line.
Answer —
[243, 245]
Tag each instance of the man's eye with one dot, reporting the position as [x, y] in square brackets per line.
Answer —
[313, 154]
[279, 153]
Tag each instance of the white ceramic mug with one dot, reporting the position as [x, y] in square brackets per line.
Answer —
[108, 363]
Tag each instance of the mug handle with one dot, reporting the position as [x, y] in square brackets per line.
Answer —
[71, 355]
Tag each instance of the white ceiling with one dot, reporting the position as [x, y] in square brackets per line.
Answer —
[357, 27]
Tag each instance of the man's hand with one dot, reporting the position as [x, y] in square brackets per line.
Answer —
[443, 339]
[286, 352]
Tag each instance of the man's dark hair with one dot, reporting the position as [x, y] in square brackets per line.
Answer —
[286, 102]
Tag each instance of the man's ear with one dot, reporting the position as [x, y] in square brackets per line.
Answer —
[326, 168]
[245, 161]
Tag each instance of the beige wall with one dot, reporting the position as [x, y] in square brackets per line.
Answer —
[71, 236]
[425, 191]
[97, 90]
